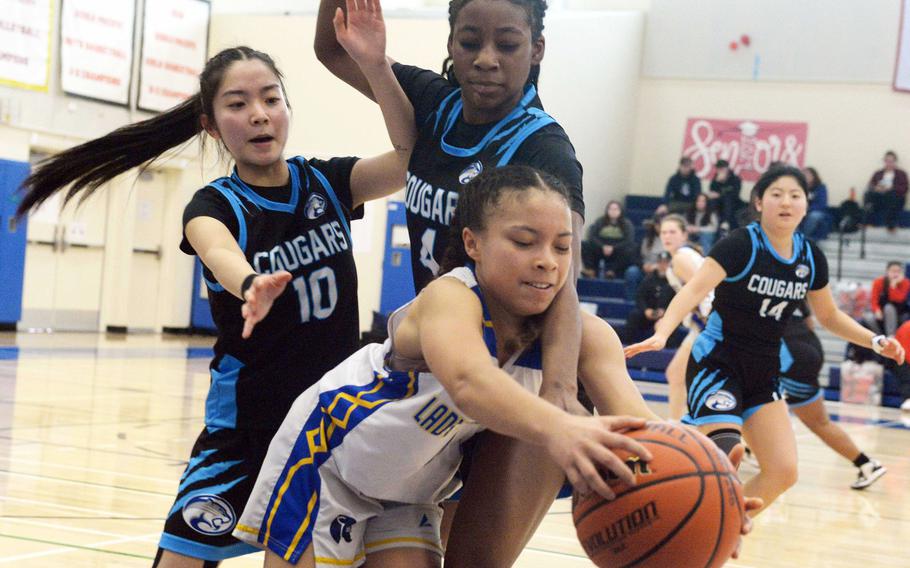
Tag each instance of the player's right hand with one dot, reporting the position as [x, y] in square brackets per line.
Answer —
[362, 34]
[582, 447]
[259, 297]
[653, 343]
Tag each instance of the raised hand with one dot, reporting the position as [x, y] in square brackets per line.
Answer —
[259, 297]
[582, 447]
[363, 34]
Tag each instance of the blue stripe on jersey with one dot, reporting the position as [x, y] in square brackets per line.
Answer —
[213, 286]
[527, 130]
[201, 474]
[713, 419]
[207, 472]
[708, 338]
[455, 112]
[338, 412]
[204, 551]
[699, 384]
[811, 265]
[221, 402]
[210, 490]
[786, 358]
[264, 203]
[440, 112]
[334, 199]
[806, 402]
[224, 188]
[797, 245]
[752, 228]
[195, 461]
[532, 357]
[796, 387]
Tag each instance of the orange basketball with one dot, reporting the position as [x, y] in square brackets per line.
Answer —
[685, 511]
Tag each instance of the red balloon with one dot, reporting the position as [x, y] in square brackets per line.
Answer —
[734, 46]
[745, 39]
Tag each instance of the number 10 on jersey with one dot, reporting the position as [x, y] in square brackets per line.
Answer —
[314, 301]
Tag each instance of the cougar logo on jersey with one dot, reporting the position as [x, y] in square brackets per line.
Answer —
[470, 172]
[209, 514]
[315, 206]
[721, 400]
[341, 528]
[802, 271]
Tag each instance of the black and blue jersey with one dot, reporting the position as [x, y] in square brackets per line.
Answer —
[756, 299]
[302, 228]
[449, 153]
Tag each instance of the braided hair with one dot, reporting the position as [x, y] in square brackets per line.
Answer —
[535, 10]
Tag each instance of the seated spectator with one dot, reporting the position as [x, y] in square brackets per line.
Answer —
[651, 299]
[902, 372]
[651, 246]
[886, 193]
[724, 195]
[889, 300]
[817, 222]
[702, 223]
[682, 187]
[610, 247]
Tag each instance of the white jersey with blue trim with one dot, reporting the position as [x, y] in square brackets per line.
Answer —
[397, 435]
[694, 321]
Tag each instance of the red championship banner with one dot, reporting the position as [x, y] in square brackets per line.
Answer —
[750, 146]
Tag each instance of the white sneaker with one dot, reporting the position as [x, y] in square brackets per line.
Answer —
[869, 473]
[905, 406]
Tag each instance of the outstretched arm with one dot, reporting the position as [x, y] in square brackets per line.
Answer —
[331, 53]
[221, 254]
[363, 37]
[446, 309]
[827, 313]
[708, 276]
[602, 369]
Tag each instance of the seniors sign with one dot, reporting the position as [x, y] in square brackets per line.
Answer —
[750, 146]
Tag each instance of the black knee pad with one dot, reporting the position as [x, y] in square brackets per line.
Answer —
[726, 439]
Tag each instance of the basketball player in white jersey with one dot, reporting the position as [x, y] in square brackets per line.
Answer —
[685, 262]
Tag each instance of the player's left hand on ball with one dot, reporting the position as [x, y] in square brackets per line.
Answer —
[259, 297]
[751, 504]
[894, 350]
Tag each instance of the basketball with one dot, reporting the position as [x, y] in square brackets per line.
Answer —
[685, 511]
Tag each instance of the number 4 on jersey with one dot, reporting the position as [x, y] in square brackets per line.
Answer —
[427, 241]
[776, 311]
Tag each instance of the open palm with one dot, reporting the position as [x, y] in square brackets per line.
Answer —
[363, 35]
[259, 297]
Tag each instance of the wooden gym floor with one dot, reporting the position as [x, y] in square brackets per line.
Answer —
[94, 432]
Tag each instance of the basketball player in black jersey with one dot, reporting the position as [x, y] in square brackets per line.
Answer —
[759, 274]
[482, 112]
[270, 223]
[801, 359]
